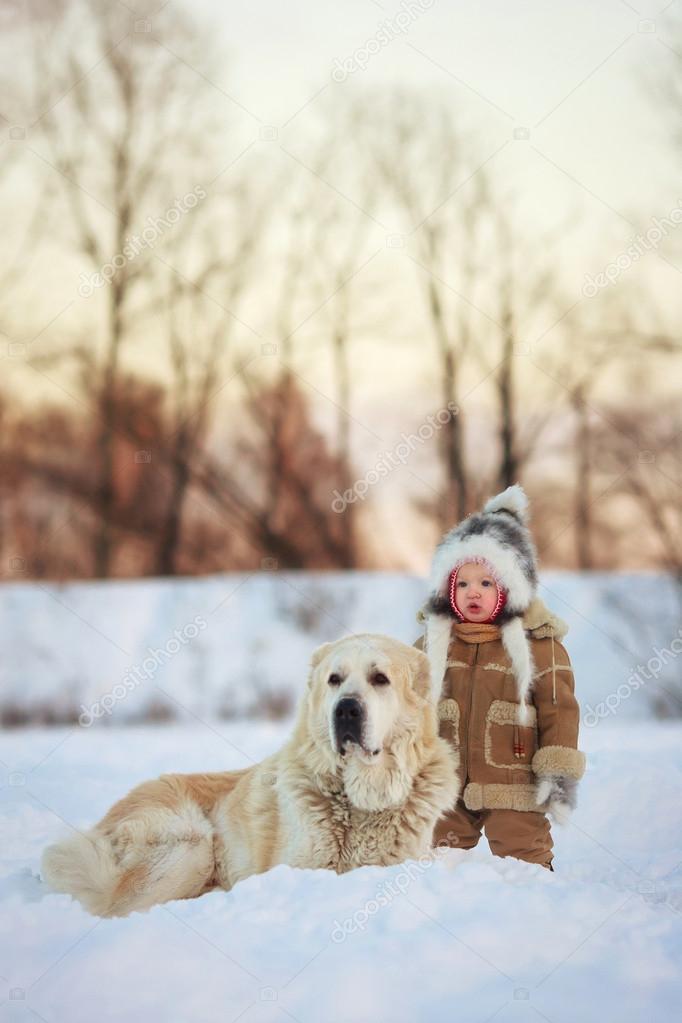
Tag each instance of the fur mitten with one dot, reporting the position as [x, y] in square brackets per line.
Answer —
[556, 794]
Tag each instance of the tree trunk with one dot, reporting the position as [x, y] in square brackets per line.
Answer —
[172, 528]
[583, 466]
[509, 468]
[107, 400]
[343, 446]
[456, 502]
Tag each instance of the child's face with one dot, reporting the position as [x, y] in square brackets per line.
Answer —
[476, 592]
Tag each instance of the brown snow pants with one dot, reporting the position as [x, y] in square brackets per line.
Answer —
[523, 834]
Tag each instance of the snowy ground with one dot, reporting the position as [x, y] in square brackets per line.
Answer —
[467, 937]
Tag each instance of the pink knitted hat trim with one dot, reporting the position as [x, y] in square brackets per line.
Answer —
[501, 591]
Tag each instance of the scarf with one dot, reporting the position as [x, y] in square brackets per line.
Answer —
[476, 632]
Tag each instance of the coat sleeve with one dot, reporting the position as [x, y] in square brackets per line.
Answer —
[558, 713]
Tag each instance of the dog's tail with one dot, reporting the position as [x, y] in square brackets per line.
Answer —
[84, 867]
[143, 860]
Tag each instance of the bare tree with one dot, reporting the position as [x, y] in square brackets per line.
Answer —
[574, 375]
[327, 263]
[302, 530]
[426, 160]
[113, 102]
[200, 336]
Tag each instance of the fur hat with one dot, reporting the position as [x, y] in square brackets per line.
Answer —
[499, 535]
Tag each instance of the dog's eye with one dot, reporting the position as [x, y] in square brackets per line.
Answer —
[334, 679]
[379, 679]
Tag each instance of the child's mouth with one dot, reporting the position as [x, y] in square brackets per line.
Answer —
[474, 607]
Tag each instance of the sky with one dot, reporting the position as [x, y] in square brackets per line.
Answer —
[559, 97]
[573, 75]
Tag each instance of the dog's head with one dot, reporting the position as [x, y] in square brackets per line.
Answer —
[368, 713]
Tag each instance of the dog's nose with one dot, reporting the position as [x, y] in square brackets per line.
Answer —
[348, 715]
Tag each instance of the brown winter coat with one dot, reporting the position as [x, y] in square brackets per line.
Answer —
[500, 760]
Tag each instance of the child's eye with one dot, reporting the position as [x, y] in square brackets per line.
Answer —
[460, 583]
[486, 582]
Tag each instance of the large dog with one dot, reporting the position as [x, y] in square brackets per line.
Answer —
[362, 780]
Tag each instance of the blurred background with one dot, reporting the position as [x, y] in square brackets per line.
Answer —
[286, 290]
[289, 290]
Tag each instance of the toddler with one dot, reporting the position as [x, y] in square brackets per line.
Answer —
[504, 686]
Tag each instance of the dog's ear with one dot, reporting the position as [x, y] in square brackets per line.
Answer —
[318, 656]
[420, 669]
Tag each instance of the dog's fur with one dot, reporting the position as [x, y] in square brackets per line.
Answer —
[324, 800]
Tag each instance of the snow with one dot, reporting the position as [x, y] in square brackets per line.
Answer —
[463, 936]
[66, 647]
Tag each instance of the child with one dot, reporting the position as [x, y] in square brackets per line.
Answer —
[504, 686]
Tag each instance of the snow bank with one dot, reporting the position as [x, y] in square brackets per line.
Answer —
[235, 645]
